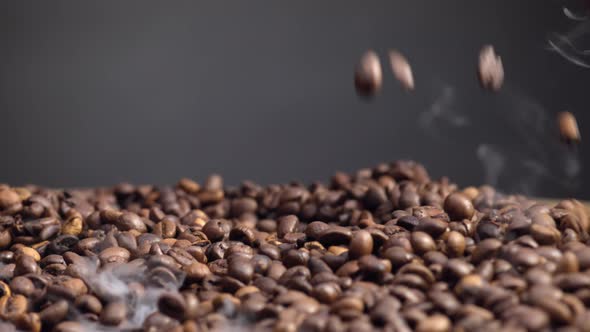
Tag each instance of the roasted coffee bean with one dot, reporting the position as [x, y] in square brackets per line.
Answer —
[327, 292]
[21, 285]
[295, 257]
[568, 128]
[113, 313]
[361, 244]
[8, 198]
[474, 260]
[335, 235]
[114, 255]
[433, 227]
[458, 206]
[243, 234]
[422, 242]
[491, 70]
[401, 69]
[455, 244]
[12, 306]
[286, 224]
[485, 250]
[435, 323]
[55, 313]
[72, 226]
[241, 268]
[368, 74]
[398, 256]
[89, 303]
[315, 229]
[24, 265]
[214, 230]
[173, 305]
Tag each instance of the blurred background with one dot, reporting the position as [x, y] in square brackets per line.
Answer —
[95, 93]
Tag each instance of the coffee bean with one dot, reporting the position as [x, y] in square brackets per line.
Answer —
[401, 69]
[113, 313]
[89, 303]
[8, 198]
[422, 242]
[568, 128]
[327, 292]
[21, 285]
[12, 306]
[214, 230]
[25, 264]
[243, 234]
[361, 244]
[368, 74]
[335, 235]
[173, 305]
[485, 250]
[287, 224]
[55, 313]
[189, 185]
[244, 205]
[459, 206]
[241, 269]
[435, 323]
[114, 255]
[491, 70]
[434, 227]
[455, 244]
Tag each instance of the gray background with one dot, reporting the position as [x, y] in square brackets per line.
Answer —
[93, 93]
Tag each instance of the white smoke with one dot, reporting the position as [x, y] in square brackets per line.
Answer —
[492, 161]
[533, 153]
[570, 45]
[113, 283]
[442, 111]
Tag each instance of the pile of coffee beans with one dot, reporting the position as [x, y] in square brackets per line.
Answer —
[383, 249]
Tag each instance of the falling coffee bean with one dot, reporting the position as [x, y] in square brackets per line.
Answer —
[368, 76]
[568, 128]
[401, 69]
[491, 70]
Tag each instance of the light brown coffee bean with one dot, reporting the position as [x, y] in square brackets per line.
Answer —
[568, 128]
[490, 70]
[401, 69]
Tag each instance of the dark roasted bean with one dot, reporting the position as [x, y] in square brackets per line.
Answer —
[368, 75]
[361, 244]
[173, 305]
[54, 313]
[241, 268]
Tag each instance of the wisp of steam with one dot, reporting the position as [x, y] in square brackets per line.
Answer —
[570, 45]
[534, 153]
[522, 155]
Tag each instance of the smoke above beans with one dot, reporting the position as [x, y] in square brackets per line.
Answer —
[529, 160]
[385, 248]
[572, 45]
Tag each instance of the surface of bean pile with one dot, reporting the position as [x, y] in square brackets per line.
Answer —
[383, 249]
